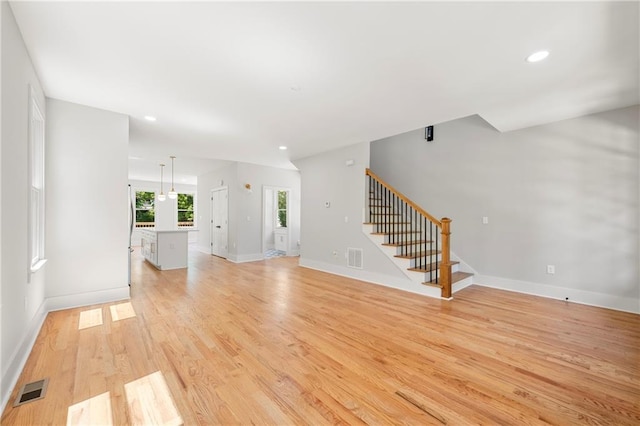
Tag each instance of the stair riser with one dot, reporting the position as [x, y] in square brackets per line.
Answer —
[392, 227]
[386, 219]
[425, 260]
[380, 210]
[426, 277]
[402, 238]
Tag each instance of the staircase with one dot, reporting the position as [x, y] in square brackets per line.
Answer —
[414, 240]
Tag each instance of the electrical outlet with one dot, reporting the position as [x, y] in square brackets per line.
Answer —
[346, 219]
[485, 220]
[335, 253]
[551, 269]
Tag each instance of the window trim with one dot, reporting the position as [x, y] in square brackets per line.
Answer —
[37, 185]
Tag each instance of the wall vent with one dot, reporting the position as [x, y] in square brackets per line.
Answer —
[32, 392]
[354, 258]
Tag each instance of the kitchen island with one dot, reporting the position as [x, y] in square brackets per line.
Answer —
[165, 249]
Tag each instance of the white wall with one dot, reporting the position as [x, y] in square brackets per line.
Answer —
[22, 310]
[564, 194]
[245, 209]
[87, 206]
[166, 212]
[326, 178]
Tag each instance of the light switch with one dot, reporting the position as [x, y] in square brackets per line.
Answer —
[327, 204]
[485, 220]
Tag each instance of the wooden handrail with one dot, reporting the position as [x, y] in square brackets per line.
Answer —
[404, 198]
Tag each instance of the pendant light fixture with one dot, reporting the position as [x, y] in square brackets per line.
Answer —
[172, 194]
[161, 196]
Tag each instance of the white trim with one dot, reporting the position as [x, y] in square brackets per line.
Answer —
[626, 304]
[36, 207]
[85, 299]
[19, 357]
[372, 277]
[243, 258]
[39, 264]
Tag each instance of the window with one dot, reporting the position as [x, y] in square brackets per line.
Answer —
[281, 216]
[185, 210]
[36, 185]
[145, 209]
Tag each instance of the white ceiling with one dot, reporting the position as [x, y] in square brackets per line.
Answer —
[233, 81]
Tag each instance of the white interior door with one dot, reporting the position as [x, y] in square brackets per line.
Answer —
[219, 222]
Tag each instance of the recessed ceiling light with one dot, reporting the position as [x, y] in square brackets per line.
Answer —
[149, 118]
[282, 147]
[538, 56]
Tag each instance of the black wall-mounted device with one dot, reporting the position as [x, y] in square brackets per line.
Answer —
[428, 133]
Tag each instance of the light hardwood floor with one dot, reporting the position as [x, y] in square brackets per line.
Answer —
[272, 343]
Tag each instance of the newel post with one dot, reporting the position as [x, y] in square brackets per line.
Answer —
[445, 262]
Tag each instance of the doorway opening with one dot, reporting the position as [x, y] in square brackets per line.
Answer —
[275, 223]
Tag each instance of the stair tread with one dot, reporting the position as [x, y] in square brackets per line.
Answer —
[407, 243]
[455, 277]
[430, 267]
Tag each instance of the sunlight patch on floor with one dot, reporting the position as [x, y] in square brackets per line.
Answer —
[150, 402]
[92, 411]
[122, 311]
[90, 318]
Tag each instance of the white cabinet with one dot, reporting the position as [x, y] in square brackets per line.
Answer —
[281, 239]
[165, 249]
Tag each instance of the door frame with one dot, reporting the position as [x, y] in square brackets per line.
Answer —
[264, 213]
[217, 189]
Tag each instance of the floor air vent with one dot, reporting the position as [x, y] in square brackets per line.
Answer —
[32, 392]
[354, 258]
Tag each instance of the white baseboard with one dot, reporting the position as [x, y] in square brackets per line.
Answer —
[201, 249]
[560, 293]
[19, 357]
[371, 277]
[242, 258]
[85, 299]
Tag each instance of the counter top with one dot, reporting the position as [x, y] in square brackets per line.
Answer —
[157, 231]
